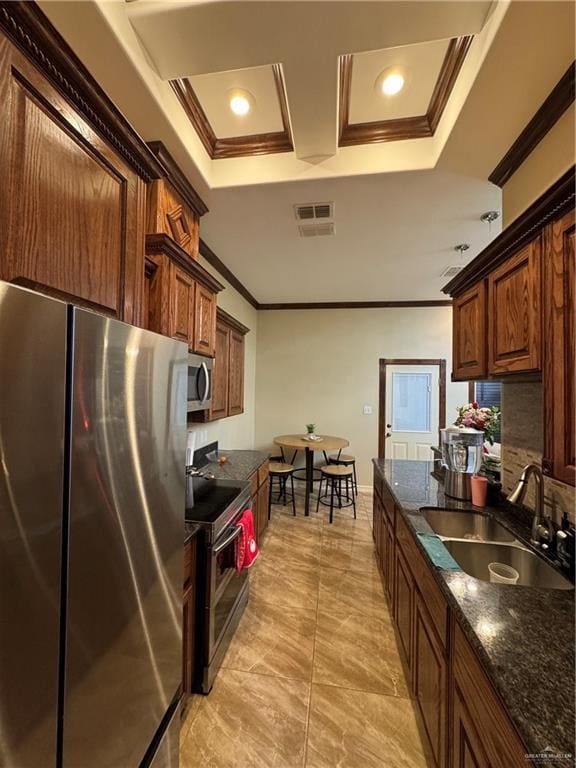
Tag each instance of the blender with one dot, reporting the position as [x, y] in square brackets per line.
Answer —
[462, 449]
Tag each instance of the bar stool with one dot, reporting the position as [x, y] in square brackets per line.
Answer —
[280, 471]
[335, 475]
[346, 461]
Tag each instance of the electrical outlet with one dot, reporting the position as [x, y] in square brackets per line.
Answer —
[367, 410]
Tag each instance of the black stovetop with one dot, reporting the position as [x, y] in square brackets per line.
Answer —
[210, 501]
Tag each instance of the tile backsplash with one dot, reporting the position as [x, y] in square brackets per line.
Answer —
[522, 443]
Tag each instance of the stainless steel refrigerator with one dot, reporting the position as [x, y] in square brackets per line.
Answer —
[92, 498]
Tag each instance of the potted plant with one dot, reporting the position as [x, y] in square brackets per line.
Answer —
[311, 428]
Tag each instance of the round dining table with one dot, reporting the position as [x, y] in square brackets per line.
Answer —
[324, 443]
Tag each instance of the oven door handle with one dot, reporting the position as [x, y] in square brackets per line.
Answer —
[228, 540]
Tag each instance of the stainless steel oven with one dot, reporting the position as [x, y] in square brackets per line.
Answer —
[225, 595]
[199, 382]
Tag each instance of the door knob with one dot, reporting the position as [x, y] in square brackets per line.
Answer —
[388, 434]
[389, 426]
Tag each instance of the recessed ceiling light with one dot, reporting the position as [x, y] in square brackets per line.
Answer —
[391, 81]
[241, 102]
[393, 84]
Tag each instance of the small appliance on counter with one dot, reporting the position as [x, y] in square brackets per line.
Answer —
[462, 449]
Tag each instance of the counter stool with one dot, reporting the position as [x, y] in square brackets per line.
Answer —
[346, 461]
[280, 471]
[335, 475]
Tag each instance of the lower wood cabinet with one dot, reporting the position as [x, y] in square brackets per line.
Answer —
[429, 676]
[259, 485]
[189, 615]
[462, 716]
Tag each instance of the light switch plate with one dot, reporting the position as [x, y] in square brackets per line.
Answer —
[367, 410]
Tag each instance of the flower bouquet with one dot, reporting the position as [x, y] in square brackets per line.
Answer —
[483, 419]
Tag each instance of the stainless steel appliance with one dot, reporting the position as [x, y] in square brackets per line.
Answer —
[216, 505]
[92, 444]
[199, 382]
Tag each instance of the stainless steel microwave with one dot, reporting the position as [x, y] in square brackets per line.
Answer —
[199, 382]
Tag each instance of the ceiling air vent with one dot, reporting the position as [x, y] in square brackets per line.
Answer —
[316, 230]
[451, 271]
[314, 211]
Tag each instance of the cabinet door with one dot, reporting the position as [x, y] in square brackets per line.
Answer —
[204, 322]
[469, 334]
[429, 676]
[382, 542]
[71, 210]
[403, 603]
[389, 566]
[220, 371]
[467, 750]
[262, 509]
[514, 313]
[236, 374]
[559, 268]
[182, 289]
[188, 639]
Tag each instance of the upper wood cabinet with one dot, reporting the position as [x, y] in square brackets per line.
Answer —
[72, 208]
[559, 268]
[219, 408]
[168, 214]
[515, 313]
[469, 334]
[204, 321]
[180, 296]
[236, 373]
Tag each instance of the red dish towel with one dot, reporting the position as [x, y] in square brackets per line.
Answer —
[246, 548]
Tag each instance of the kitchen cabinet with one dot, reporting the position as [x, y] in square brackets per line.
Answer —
[559, 269]
[169, 214]
[204, 321]
[179, 296]
[463, 718]
[482, 733]
[469, 334]
[182, 292]
[189, 615]
[72, 208]
[228, 369]
[515, 313]
[259, 485]
[429, 679]
[403, 603]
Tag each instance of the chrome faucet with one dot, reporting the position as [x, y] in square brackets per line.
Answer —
[542, 529]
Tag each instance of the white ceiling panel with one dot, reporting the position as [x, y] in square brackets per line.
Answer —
[422, 63]
[213, 92]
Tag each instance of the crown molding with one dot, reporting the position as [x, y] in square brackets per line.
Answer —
[236, 146]
[358, 304]
[29, 29]
[236, 325]
[418, 127]
[160, 243]
[223, 270]
[552, 109]
[553, 203]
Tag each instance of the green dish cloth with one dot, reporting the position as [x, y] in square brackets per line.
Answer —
[437, 552]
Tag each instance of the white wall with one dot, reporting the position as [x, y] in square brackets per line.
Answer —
[322, 366]
[235, 431]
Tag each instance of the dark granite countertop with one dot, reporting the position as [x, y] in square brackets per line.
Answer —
[240, 464]
[523, 635]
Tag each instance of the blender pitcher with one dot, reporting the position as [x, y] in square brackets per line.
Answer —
[462, 449]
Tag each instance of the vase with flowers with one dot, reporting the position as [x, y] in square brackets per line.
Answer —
[485, 420]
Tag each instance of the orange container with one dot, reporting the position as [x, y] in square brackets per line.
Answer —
[479, 490]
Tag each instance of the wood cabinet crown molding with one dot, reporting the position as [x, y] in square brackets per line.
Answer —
[26, 25]
[551, 110]
[223, 317]
[555, 201]
[161, 243]
[173, 174]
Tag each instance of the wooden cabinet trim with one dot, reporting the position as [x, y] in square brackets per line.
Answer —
[162, 243]
[403, 604]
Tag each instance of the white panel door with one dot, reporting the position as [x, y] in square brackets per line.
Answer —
[412, 411]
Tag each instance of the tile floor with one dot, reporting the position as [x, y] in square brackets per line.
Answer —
[312, 677]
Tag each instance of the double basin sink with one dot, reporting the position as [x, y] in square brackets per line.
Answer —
[475, 541]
